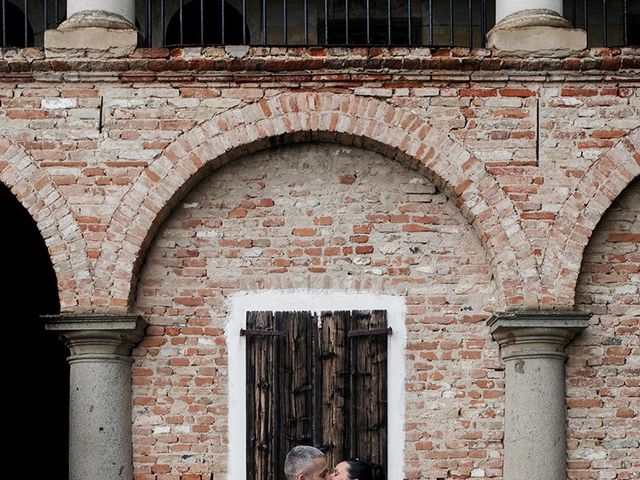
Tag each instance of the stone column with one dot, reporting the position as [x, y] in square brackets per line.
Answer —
[109, 13]
[532, 345]
[504, 8]
[528, 26]
[100, 445]
[94, 28]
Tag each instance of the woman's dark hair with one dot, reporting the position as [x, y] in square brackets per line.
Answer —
[364, 470]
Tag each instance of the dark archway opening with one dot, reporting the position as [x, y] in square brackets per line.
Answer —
[37, 386]
[202, 25]
[13, 25]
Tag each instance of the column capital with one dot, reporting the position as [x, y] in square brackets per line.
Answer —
[535, 334]
[97, 336]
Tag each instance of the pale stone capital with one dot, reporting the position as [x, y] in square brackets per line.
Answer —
[97, 337]
[535, 334]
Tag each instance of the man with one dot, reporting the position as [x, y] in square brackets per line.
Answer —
[305, 463]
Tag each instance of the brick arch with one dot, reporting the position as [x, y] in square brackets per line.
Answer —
[37, 193]
[579, 216]
[293, 117]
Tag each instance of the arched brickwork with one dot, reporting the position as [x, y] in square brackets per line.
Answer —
[35, 190]
[394, 132]
[602, 366]
[580, 214]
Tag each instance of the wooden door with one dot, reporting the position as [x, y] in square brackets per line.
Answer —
[315, 380]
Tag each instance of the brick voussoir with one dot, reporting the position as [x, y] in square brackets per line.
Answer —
[35, 190]
[591, 198]
[340, 115]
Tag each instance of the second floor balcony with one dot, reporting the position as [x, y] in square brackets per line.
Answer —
[428, 23]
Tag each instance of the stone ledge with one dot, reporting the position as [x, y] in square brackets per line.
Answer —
[280, 62]
[90, 42]
[537, 40]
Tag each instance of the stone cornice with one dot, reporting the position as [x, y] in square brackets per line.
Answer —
[153, 64]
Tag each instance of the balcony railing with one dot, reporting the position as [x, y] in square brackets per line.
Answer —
[317, 22]
[608, 23]
[433, 23]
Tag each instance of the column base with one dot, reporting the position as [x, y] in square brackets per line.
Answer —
[536, 32]
[91, 35]
[90, 42]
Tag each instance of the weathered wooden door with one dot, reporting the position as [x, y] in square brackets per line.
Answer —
[315, 380]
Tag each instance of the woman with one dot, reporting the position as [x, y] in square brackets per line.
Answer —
[357, 470]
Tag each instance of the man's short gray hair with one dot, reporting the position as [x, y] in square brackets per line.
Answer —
[300, 460]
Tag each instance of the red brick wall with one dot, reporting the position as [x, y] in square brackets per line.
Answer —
[318, 216]
[93, 127]
[516, 161]
[603, 371]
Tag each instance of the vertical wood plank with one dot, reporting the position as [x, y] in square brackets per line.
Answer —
[368, 362]
[260, 350]
[298, 375]
[276, 381]
[280, 372]
[333, 363]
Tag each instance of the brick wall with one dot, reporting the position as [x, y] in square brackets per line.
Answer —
[603, 372]
[495, 170]
[92, 142]
[93, 126]
[318, 216]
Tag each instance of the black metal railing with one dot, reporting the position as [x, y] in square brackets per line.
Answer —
[23, 22]
[460, 23]
[450, 23]
[608, 23]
